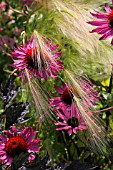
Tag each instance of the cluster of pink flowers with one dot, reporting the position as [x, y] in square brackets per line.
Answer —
[41, 60]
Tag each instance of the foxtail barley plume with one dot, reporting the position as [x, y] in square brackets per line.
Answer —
[84, 98]
[40, 98]
[71, 20]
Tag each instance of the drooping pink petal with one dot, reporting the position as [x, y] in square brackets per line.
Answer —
[107, 35]
[81, 127]
[2, 146]
[3, 157]
[107, 8]
[31, 158]
[54, 47]
[101, 30]
[14, 129]
[27, 134]
[57, 54]
[60, 123]
[34, 146]
[99, 15]
[75, 130]
[3, 138]
[64, 128]
[73, 110]
[97, 23]
[2, 152]
[61, 116]
[70, 131]
[9, 161]
[59, 89]
[66, 114]
[104, 31]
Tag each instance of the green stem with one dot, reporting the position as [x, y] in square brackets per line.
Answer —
[67, 146]
[104, 110]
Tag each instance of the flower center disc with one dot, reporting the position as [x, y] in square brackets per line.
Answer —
[67, 96]
[73, 122]
[31, 58]
[15, 145]
[34, 61]
[110, 18]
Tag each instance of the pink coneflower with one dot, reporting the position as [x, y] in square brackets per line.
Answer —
[70, 122]
[66, 93]
[38, 57]
[64, 100]
[13, 143]
[104, 23]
